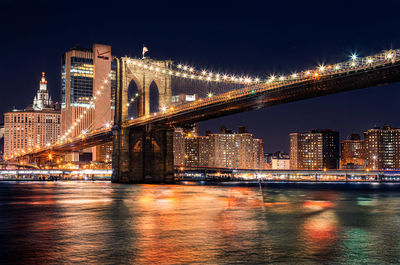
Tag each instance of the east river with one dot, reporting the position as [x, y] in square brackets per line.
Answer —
[104, 223]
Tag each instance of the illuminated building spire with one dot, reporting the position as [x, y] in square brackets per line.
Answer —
[42, 99]
[43, 82]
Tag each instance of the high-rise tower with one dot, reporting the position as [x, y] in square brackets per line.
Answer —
[83, 73]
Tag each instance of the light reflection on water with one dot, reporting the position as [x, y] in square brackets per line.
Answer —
[70, 222]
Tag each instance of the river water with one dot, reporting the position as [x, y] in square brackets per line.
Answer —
[104, 223]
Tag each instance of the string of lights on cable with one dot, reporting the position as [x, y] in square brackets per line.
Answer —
[190, 72]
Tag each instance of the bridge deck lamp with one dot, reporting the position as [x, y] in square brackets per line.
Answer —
[354, 56]
[389, 55]
[209, 95]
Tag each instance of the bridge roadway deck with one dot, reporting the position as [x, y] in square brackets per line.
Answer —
[264, 95]
[250, 98]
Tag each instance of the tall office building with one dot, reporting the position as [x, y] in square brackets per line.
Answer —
[353, 153]
[83, 74]
[318, 149]
[382, 148]
[36, 126]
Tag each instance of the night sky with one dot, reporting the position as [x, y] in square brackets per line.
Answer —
[245, 37]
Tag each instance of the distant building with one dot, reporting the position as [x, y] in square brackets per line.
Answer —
[205, 149]
[268, 160]
[192, 151]
[83, 72]
[353, 153]
[179, 147]
[225, 149]
[1, 141]
[36, 126]
[382, 148]
[318, 149]
[236, 150]
[182, 99]
[258, 152]
[280, 163]
[281, 159]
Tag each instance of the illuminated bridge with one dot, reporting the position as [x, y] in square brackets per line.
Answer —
[143, 146]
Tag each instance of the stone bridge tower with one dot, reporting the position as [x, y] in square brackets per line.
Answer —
[143, 153]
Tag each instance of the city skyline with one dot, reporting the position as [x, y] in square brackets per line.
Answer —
[199, 132]
[350, 112]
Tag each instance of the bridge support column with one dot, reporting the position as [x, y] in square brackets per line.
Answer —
[145, 155]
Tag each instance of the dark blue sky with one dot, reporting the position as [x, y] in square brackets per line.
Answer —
[249, 37]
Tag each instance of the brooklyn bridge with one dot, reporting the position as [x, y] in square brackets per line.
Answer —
[143, 145]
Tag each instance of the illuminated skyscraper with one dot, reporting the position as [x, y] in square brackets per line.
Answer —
[83, 73]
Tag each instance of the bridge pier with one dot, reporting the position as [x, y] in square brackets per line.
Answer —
[143, 155]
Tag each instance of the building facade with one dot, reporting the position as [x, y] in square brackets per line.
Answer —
[225, 150]
[182, 99]
[315, 150]
[1, 142]
[382, 148]
[179, 147]
[85, 74]
[36, 126]
[280, 163]
[353, 153]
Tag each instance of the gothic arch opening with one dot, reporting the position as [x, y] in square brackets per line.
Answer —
[133, 99]
[154, 97]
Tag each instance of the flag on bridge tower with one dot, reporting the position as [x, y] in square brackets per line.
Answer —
[144, 50]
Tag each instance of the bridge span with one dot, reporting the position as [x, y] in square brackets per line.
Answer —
[142, 147]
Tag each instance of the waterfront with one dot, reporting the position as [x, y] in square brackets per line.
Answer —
[104, 223]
